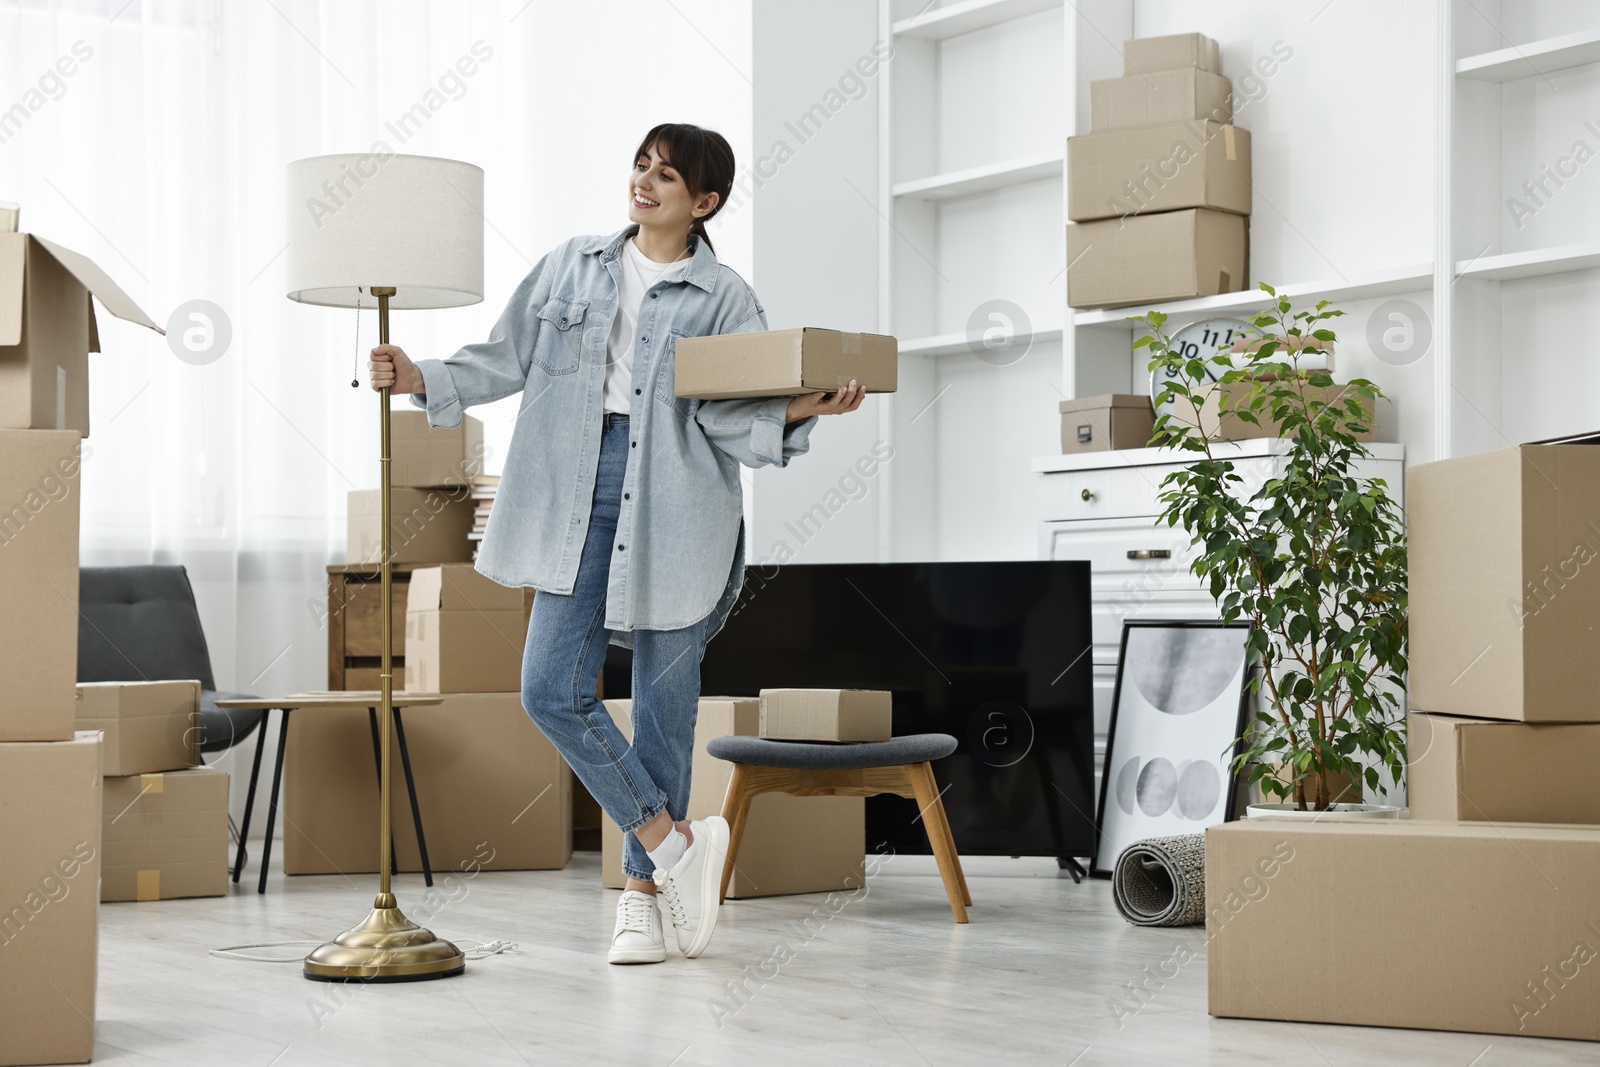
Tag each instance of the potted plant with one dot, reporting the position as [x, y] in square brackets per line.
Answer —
[1315, 556]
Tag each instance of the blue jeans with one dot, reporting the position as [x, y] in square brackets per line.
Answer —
[561, 665]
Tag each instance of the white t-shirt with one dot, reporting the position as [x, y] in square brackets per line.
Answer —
[638, 272]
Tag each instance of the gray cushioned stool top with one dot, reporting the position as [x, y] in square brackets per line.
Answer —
[822, 756]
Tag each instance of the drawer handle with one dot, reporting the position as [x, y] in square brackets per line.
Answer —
[1087, 494]
[1149, 553]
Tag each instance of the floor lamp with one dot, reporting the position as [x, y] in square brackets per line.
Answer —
[406, 232]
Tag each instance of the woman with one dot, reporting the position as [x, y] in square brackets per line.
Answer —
[620, 503]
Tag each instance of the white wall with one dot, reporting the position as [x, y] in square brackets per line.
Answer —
[808, 189]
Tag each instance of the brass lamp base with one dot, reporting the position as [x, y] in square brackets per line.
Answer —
[387, 947]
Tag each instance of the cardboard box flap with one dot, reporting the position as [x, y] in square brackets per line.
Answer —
[100, 285]
[13, 264]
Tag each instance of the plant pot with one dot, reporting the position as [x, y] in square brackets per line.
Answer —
[1338, 812]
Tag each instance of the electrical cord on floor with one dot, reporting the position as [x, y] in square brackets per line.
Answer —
[481, 950]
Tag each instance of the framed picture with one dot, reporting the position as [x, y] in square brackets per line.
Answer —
[1177, 712]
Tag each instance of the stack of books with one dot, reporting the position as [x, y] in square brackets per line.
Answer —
[483, 490]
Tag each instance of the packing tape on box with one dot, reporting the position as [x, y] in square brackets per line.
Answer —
[147, 885]
[1228, 148]
[850, 343]
[152, 783]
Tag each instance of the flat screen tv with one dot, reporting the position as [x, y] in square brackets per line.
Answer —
[995, 654]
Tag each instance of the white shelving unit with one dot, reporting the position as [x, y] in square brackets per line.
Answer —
[1410, 279]
[984, 179]
[971, 201]
[1532, 59]
[953, 20]
[1519, 235]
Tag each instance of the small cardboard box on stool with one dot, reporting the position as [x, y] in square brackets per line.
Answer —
[1476, 927]
[165, 835]
[1505, 582]
[491, 788]
[50, 889]
[783, 363]
[790, 845]
[827, 714]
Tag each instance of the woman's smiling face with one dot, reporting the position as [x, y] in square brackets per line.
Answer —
[657, 195]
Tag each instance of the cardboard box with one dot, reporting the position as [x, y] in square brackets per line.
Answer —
[422, 457]
[1505, 583]
[1159, 96]
[426, 526]
[49, 899]
[1143, 259]
[826, 714]
[1476, 770]
[1477, 927]
[1219, 400]
[1104, 423]
[148, 726]
[783, 363]
[790, 845]
[1175, 51]
[48, 329]
[493, 791]
[1118, 173]
[166, 835]
[39, 477]
[464, 632]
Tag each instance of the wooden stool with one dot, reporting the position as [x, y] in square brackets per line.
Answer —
[899, 765]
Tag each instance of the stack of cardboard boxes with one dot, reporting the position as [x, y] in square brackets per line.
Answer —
[164, 828]
[50, 775]
[492, 790]
[1478, 912]
[1158, 192]
[791, 844]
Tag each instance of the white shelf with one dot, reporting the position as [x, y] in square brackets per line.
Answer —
[955, 19]
[983, 179]
[952, 344]
[1145, 457]
[1533, 264]
[1532, 59]
[1379, 283]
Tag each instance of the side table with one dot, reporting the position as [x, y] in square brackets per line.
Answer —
[368, 699]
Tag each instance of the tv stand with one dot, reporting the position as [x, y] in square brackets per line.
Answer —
[1072, 867]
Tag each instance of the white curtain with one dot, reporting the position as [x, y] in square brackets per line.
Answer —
[161, 155]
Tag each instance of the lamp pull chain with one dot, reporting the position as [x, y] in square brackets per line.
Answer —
[355, 359]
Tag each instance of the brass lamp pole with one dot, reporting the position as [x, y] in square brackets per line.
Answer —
[387, 946]
[416, 221]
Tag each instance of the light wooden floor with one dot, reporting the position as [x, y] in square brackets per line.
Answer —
[889, 980]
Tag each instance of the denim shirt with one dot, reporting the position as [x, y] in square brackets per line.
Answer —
[679, 550]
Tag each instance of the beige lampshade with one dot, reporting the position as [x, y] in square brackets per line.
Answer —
[360, 220]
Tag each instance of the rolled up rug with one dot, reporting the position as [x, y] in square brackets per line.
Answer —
[1161, 881]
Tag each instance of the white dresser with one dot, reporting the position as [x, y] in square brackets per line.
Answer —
[1102, 507]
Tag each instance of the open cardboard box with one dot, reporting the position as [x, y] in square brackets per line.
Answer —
[48, 329]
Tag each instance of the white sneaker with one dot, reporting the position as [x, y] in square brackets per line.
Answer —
[691, 890]
[638, 937]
